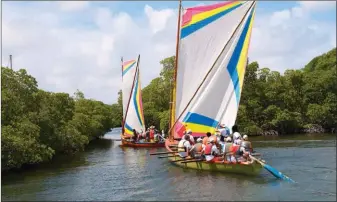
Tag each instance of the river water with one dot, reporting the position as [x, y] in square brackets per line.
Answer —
[106, 171]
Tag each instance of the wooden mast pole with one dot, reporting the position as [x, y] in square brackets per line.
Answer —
[172, 103]
[122, 99]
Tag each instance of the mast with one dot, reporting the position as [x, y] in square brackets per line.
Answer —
[173, 91]
[209, 71]
[133, 83]
[122, 99]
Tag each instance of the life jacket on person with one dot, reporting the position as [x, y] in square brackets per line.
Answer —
[198, 147]
[151, 134]
[208, 149]
[235, 150]
[228, 146]
[181, 147]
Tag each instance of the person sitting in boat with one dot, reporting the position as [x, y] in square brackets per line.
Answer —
[134, 135]
[184, 144]
[236, 134]
[239, 153]
[147, 135]
[205, 140]
[247, 144]
[210, 151]
[226, 149]
[189, 133]
[195, 151]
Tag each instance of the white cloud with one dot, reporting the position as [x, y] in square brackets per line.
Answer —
[317, 5]
[73, 5]
[158, 19]
[290, 38]
[65, 57]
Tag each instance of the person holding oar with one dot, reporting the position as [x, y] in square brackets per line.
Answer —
[184, 146]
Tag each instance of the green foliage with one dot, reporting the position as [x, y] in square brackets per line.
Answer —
[292, 102]
[36, 124]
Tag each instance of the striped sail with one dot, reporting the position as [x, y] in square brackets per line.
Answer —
[132, 98]
[212, 58]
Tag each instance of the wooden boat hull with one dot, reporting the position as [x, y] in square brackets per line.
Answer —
[127, 143]
[247, 169]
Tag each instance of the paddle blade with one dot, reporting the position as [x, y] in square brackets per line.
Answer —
[277, 173]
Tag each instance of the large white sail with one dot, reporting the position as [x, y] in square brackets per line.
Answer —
[213, 50]
[132, 98]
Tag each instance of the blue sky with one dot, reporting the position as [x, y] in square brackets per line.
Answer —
[78, 45]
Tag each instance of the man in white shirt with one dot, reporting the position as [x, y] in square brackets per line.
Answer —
[184, 144]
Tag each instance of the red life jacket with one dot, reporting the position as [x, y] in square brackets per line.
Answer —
[208, 149]
[234, 148]
[151, 133]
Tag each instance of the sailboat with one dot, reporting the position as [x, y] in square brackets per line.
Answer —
[133, 115]
[211, 58]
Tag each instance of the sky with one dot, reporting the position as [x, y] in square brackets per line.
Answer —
[78, 45]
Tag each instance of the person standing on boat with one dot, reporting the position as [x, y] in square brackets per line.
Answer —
[184, 144]
[195, 151]
[224, 130]
[210, 151]
[151, 133]
[236, 134]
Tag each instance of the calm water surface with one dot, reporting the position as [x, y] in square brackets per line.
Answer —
[108, 172]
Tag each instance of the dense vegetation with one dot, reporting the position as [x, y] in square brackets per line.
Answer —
[284, 104]
[36, 125]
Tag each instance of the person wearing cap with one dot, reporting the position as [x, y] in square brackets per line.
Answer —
[226, 148]
[195, 151]
[224, 130]
[184, 144]
[246, 144]
[189, 133]
[210, 151]
[236, 134]
[239, 153]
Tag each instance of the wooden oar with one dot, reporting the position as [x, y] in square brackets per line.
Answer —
[183, 159]
[192, 160]
[272, 170]
[158, 153]
[116, 139]
[165, 157]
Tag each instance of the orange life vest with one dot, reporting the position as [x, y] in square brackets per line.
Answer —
[208, 149]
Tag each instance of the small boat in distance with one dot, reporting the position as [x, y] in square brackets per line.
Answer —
[212, 48]
[133, 115]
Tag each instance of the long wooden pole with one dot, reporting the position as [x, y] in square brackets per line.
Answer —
[209, 71]
[122, 100]
[133, 83]
[173, 103]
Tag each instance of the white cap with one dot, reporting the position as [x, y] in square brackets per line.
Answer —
[199, 140]
[228, 139]
[189, 131]
[245, 137]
